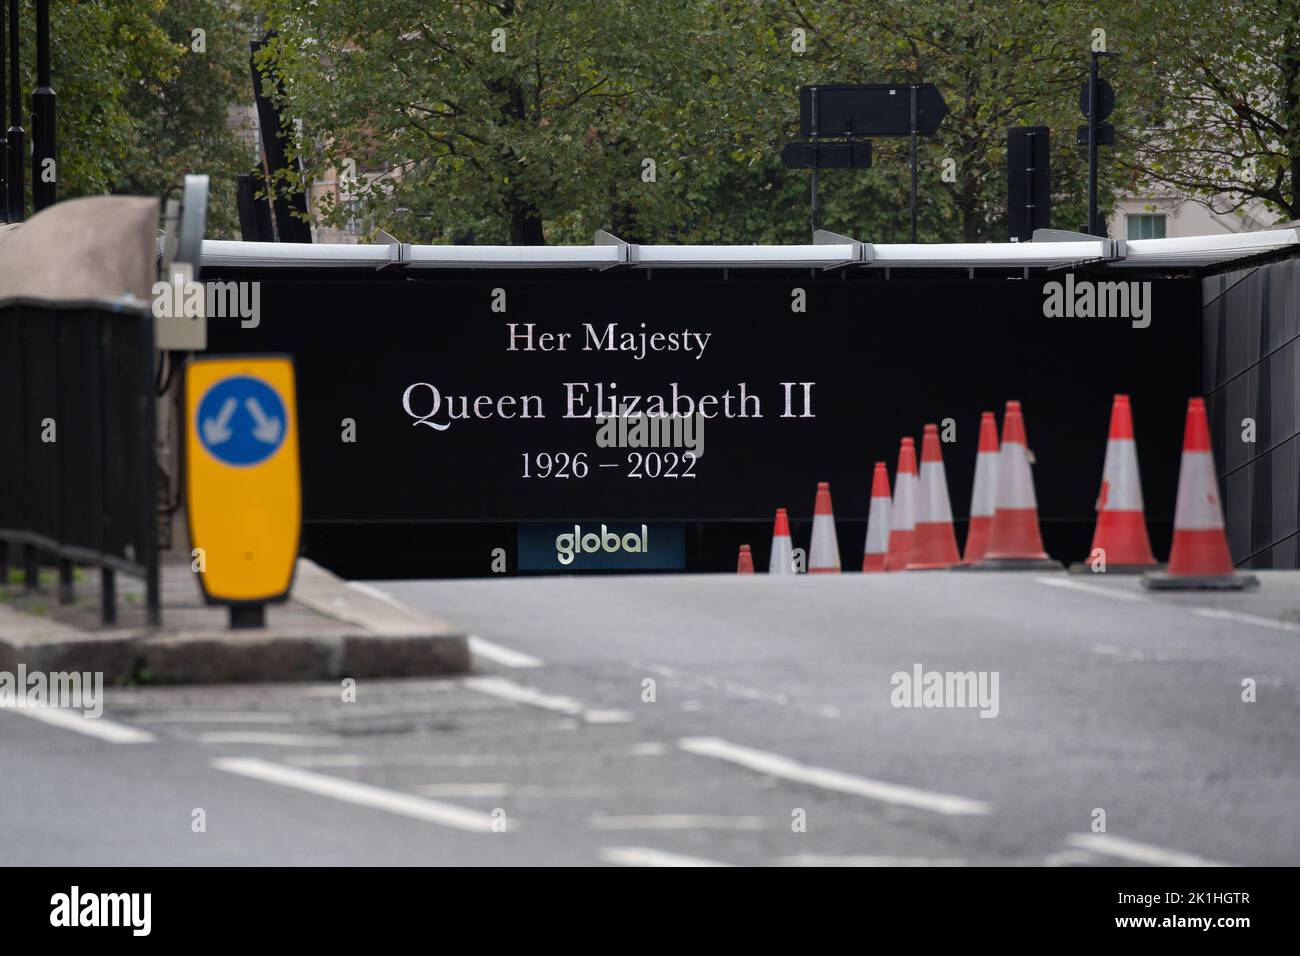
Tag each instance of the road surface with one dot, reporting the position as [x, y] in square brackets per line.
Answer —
[663, 720]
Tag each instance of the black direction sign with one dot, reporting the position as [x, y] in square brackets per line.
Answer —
[1105, 99]
[870, 109]
[817, 155]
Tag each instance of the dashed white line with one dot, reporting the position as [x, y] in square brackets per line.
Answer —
[1125, 653]
[647, 856]
[677, 821]
[360, 794]
[607, 717]
[269, 739]
[504, 689]
[477, 645]
[378, 594]
[774, 765]
[470, 790]
[214, 717]
[813, 859]
[97, 727]
[1111, 845]
[1219, 614]
[502, 655]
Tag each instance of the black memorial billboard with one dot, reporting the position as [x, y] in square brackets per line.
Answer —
[478, 400]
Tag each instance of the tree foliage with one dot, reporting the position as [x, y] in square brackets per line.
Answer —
[1216, 93]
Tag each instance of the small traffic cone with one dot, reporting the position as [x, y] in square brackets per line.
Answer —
[873, 555]
[902, 516]
[1199, 559]
[824, 551]
[984, 492]
[745, 563]
[782, 561]
[934, 544]
[1121, 534]
[1015, 543]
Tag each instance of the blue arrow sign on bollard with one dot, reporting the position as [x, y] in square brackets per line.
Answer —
[241, 421]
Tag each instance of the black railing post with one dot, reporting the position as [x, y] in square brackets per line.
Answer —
[67, 571]
[149, 486]
[31, 567]
[107, 596]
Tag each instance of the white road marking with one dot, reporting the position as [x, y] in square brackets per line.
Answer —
[1110, 845]
[1113, 593]
[774, 765]
[607, 717]
[1125, 653]
[477, 645]
[360, 794]
[465, 789]
[677, 821]
[548, 791]
[378, 594]
[404, 760]
[649, 748]
[813, 859]
[742, 691]
[502, 655]
[646, 856]
[96, 727]
[1069, 858]
[1220, 614]
[213, 717]
[269, 739]
[505, 689]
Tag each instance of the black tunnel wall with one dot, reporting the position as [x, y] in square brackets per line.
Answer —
[1252, 371]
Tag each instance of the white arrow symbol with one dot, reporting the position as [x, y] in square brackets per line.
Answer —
[264, 429]
[214, 429]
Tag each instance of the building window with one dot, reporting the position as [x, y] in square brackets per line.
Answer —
[1146, 226]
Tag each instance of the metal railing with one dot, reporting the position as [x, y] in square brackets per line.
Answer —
[77, 473]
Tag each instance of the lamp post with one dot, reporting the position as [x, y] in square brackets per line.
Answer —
[14, 139]
[44, 165]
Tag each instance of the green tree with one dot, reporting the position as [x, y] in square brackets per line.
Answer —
[137, 109]
[518, 120]
[1218, 88]
[180, 110]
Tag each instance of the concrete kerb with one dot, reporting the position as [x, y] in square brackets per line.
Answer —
[350, 634]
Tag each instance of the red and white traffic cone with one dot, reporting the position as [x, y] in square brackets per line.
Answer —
[984, 492]
[745, 562]
[782, 561]
[824, 551]
[1015, 543]
[934, 544]
[877, 546]
[1199, 559]
[902, 516]
[1120, 541]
